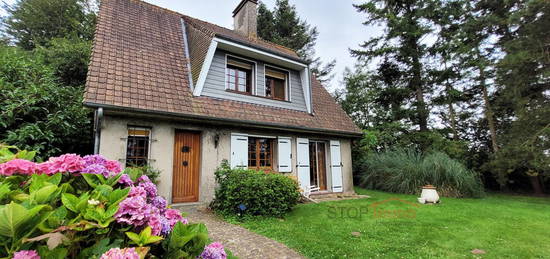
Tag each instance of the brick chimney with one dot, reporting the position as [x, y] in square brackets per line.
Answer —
[245, 18]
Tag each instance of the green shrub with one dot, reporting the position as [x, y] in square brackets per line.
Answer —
[136, 171]
[249, 192]
[406, 171]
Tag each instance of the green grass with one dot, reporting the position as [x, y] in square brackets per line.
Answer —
[503, 226]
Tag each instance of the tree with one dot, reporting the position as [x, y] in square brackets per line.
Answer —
[523, 74]
[36, 113]
[284, 27]
[68, 57]
[32, 23]
[407, 22]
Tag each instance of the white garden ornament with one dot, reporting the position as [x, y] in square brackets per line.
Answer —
[428, 195]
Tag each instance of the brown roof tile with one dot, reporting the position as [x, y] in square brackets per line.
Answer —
[139, 62]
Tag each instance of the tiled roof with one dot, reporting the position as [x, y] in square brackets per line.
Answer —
[139, 63]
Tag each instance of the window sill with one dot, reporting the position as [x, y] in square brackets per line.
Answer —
[259, 96]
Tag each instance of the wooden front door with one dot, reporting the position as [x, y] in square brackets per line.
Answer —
[185, 178]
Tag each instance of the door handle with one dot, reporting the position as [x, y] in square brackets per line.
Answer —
[185, 163]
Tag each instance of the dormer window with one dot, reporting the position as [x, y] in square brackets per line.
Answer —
[239, 75]
[276, 83]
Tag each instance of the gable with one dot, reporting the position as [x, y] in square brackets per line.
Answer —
[140, 63]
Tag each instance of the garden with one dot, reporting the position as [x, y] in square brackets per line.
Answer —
[86, 207]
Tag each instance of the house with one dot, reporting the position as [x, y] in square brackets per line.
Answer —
[182, 95]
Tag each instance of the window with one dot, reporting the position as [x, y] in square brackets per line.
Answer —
[137, 147]
[276, 84]
[260, 153]
[239, 75]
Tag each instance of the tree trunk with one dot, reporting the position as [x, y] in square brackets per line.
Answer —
[488, 110]
[452, 112]
[536, 184]
[416, 84]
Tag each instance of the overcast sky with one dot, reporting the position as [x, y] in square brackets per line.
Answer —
[340, 26]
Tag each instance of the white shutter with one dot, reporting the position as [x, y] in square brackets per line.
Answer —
[336, 166]
[302, 158]
[284, 156]
[239, 150]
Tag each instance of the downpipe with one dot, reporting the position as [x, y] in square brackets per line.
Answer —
[98, 118]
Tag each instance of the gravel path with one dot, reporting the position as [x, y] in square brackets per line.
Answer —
[242, 242]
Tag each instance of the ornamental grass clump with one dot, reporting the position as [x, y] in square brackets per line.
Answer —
[87, 207]
[254, 193]
[407, 170]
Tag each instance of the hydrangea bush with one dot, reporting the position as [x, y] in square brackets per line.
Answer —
[86, 207]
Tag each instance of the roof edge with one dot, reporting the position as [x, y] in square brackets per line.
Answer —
[227, 121]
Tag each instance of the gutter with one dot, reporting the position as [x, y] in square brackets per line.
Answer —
[97, 128]
[234, 122]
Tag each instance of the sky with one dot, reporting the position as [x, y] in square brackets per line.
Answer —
[339, 24]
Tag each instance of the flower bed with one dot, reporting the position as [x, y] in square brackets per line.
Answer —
[85, 207]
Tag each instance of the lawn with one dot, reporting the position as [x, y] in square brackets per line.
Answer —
[501, 225]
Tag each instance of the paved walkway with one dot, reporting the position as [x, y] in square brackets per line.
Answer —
[242, 242]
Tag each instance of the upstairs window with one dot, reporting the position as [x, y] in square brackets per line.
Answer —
[276, 84]
[260, 153]
[239, 75]
[137, 147]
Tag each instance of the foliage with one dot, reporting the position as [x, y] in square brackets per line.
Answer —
[33, 23]
[84, 207]
[68, 58]
[135, 172]
[36, 113]
[406, 171]
[249, 192]
[284, 27]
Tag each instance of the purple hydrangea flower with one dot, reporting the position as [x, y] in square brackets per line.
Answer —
[125, 180]
[150, 189]
[214, 251]
[133, 211]
[96, 169]
[26, 254]
[160, 203]
[94, 159]
[137, 191]
[166, 229]
[143, 178]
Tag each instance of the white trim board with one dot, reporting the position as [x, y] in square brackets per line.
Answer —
[186, 49]
[205, 68]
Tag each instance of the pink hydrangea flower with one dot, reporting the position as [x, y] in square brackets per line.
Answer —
[46, 168]
[133, 211]
[19, 166]
[125, 180]
[113, 166]
[155, 223]
[174, 216]
[137, 191]
[117, 253]
[26, 254]
[67, 163]
[214, 251]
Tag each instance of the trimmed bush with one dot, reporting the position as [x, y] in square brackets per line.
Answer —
[249, 192]
[407, 170]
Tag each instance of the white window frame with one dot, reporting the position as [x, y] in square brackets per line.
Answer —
[288, 83]
[254, 73]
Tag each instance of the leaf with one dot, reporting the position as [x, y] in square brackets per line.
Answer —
[133, 236]
[43, 194]
[91, 179]
[4, 190]
[54, 239]
[13, 218]
[57, 253]
[118, 195]
[70, 201]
